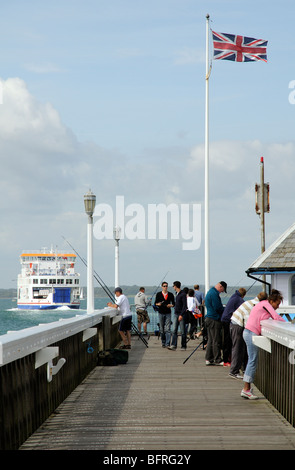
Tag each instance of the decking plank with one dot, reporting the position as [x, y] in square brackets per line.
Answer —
[155, 402]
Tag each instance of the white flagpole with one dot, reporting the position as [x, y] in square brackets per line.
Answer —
[207, 254]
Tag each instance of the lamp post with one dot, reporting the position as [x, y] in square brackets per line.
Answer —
[89, 202]
[117, 236]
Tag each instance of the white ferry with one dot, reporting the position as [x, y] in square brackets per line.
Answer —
[48, 280]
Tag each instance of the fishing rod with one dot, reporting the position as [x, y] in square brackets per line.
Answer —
[193, 352]
[95, 275]
[154, 306]
[107, 291]
[247, 290]
[159, 284]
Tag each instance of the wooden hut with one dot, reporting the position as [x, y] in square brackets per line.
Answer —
[277, 263]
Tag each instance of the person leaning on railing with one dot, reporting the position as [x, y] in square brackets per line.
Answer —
[262, 311]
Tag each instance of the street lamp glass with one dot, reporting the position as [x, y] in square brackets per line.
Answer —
[89, 202]
[117, 232]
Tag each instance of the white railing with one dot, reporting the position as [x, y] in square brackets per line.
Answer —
[280, 332]
[17, 344]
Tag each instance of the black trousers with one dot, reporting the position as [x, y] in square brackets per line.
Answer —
[213, 349]
[239, 349]
[226, 342]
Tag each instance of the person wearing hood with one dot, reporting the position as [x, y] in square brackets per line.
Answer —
[141, 303]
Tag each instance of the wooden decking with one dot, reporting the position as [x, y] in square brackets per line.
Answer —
[155, 402]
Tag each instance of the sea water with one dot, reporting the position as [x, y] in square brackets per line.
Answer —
[14, 319]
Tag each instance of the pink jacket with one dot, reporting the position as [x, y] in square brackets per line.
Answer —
[259, 313]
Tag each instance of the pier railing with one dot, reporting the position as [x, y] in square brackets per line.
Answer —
[275, 375]
[42, 365]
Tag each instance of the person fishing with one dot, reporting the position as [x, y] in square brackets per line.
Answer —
[141, 302]
[122, 304]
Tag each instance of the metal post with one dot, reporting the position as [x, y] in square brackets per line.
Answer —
[117, 236]
[262, 213]
[90, 285]
[89, 201]
[262, 205]
[207, 250]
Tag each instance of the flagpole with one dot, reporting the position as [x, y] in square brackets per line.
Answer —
[207, 251]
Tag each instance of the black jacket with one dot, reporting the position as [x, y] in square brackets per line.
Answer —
[181, 303]
[170, 300]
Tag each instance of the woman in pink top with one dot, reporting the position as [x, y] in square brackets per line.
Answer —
[262, 311]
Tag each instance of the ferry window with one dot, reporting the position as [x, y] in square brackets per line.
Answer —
[35, 281]
[69, 281]
[76, 281]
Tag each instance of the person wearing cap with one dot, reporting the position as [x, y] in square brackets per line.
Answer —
[214, 311]
[122, 304]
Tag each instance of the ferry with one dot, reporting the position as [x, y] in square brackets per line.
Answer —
[48, 280]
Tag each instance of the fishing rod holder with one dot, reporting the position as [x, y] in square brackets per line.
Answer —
[45, 356]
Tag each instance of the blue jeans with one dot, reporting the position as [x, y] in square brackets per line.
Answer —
[165, 328]
[182, 325]
[253, 351]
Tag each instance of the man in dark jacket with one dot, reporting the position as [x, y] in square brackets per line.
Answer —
[214, 311]
[180, 316]
[234, 302]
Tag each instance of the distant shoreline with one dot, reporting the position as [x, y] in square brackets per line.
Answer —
[132, 290]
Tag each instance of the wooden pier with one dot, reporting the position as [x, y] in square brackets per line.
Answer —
[155, 402]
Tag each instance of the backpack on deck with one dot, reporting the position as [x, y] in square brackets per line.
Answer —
[112, 357]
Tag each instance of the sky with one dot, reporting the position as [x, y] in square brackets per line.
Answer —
[109, 95]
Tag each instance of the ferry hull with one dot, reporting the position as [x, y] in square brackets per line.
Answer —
[45, 307]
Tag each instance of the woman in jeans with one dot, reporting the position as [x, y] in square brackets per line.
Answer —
[262, 311]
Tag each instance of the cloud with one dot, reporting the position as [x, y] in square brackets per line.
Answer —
[43, 68]
[234, 166]
[45, 171]
[126, 53]
[26, 121]
[188, 55]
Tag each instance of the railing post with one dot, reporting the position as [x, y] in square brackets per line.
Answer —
[106, 332]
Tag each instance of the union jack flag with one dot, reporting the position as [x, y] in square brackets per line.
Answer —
[238, 48]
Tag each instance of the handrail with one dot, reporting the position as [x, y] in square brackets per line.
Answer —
[17, 344]
[281, 332]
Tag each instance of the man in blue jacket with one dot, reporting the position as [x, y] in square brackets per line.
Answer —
[214, 311]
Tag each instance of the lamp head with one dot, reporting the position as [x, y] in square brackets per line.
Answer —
[89, 202]
[117, 232]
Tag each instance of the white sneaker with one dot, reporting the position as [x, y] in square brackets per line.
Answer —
[248, 394]
[235, 376]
